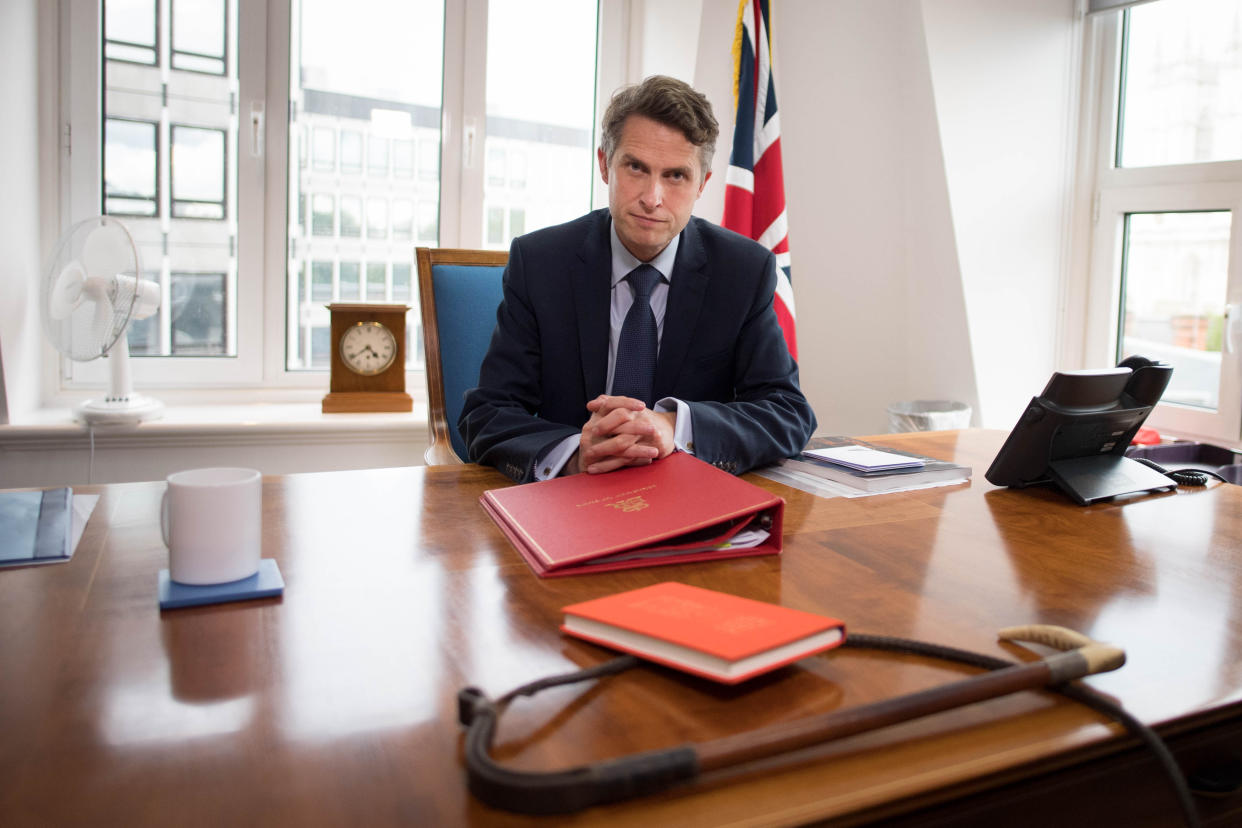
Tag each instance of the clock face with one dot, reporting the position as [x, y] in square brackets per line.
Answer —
[368, 348]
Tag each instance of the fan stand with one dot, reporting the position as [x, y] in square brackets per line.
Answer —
[122, 406]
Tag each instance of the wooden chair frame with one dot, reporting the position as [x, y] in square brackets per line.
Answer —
[440, 452]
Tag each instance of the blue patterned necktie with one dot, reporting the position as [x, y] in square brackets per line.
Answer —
[634, 374]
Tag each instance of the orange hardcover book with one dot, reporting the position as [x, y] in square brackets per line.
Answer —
[712, 634]
[676, 510]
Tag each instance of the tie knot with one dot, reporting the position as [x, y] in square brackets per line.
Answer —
[643, 278]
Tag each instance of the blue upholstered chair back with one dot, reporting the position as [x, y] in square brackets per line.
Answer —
[459, 291]
[466, 298]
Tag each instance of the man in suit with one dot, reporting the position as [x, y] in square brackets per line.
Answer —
[564, 387]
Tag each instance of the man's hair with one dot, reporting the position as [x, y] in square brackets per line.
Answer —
[666, 101]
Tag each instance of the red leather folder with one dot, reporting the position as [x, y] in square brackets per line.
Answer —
[675, 510]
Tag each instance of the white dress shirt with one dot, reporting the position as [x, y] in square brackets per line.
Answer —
[623, 261]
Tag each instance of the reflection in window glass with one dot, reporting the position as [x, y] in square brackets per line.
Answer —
[130, 163]
[351, 151]
[198, 172]
[322, 209]
[376, 288]
[321, 281]
[197, 314]
[198, 35]
[351, 217]
[1181, 95]
[545, 114]
[1173, 298]
[131, 30]
[377, 218]
[372, 68]
[351, 286]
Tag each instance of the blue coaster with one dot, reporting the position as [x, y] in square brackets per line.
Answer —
[265, 583]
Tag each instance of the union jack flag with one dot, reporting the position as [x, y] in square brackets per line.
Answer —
[755, 184]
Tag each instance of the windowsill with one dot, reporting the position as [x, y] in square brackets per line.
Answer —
[241, 422]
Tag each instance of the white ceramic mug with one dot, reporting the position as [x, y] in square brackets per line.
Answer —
[212, 524]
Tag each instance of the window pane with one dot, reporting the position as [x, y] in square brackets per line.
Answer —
[371, 68]
[198, 314]
[321, 281]
[322, 210]
[351, 217]
[402, 220]
[428, 222]
[1173, 298]
[198, 172]
[376, 289]
[351, 151]
[377, 156]
[544, 114]
[198, 35]
[401, 282]
[170, 160]
[377, 218]
[131, 31]
[403, 159]
[351, 286]
[130, 165]
[1182, 83]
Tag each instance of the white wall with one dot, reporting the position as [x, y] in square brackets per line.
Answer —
[926, 149]
[20, 340]
[1006, 83]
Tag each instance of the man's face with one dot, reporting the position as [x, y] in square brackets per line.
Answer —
[653, 181]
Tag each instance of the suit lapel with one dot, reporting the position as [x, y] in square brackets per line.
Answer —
[591, 287]
[685, 301]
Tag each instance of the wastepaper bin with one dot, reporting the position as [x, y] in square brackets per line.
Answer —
[928, 415]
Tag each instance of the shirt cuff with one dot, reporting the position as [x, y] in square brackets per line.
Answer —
[683, 432]
[554, 460]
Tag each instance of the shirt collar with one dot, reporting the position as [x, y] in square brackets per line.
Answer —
[623, 261]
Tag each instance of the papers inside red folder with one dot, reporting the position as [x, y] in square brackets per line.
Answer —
[675, 510]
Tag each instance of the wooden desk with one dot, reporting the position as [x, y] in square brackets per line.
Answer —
[336, 704]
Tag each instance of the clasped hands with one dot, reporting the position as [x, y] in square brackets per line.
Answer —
[622, 431]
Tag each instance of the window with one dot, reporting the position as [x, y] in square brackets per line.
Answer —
[199, 42]
[351, 151]
[199, 172]
[351, 217]
[1164, 283]
[275, 156]
[351, 286]
[131, 167]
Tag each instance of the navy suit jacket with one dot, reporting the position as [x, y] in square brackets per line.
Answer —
[722, 350]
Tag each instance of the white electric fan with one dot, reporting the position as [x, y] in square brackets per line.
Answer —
[91, 291]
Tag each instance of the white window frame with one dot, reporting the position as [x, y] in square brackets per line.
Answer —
[1173, 188]
[262, 184]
